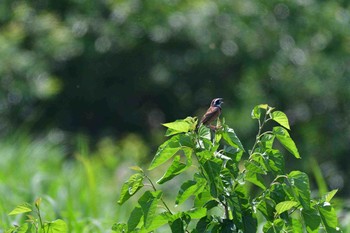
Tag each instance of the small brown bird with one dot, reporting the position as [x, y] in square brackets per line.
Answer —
[212, 113]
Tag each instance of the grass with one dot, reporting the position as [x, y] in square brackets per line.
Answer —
[82, 190]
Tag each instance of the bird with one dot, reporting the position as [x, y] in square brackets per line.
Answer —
[212, 113]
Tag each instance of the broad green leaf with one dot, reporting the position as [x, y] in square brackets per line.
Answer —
[130, 187]
[177, 226]
[176, 168]
[56, 226]
[283, 137]
[166, 151]
[256, 112]
[275, 161]
[281, 118]
[148, 202]
[295, 226]
[274, 227]
[204, 132]
[255, 178]
[202, 199]
[188, 189]
[197, 213]
[212, 170]
[231, 138]
[134, 218]
[328, 217]
[285, 206]
[180, 126]
[255, 167]
[23, 208]
[135, 182]
[158, 221]
[266, 208]
[300, 184]
[267, 140]
[328, 197]
[311, 219]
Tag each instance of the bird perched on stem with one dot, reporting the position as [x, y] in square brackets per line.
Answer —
[212, 113]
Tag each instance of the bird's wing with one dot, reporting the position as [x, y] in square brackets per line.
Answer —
[210, 115]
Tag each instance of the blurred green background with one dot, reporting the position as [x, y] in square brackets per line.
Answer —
[84, 86]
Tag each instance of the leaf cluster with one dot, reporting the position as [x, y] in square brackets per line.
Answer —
[35, 222]
[221, 186]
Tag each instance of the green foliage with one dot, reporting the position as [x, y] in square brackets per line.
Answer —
[224, 177]
[36, 223]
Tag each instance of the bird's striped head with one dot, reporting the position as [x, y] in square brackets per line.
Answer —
[217, 102]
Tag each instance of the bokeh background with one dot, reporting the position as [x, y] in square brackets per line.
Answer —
[85, 85]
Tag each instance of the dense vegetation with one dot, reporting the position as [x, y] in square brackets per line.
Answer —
[85, 86]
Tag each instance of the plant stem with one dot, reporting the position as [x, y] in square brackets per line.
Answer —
[154, 188]
[40, 220]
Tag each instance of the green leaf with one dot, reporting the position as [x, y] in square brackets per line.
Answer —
[134, 218]
[285, 206]
[274, 227]
[136, 168]
[197, 213]
[188, 189]
[177, 226]
[166, 151]
[263, 106]
[23, 208]
[256, 179]
[158, 221]
[281, 118]
[329, 196]
[328, 217]
[231, 138]
[275, 161]
[283, 137]
[148, 202]
[56, 226]
[175, 169]
[212, 169]
[18, 229]
[119, 227]
[255, 167]
[204, 132]
[180, 126]
[256, 112]
[311, 219]
[295, 226]
[266, 207]
[130, 187]
[267, 140]
[300, 184]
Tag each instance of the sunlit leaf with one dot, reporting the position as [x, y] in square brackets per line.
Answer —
[255, 167]
[176, 168]
[23, 208]
[285, 206]
[136, 168]
[255, 178]
[56, 226]
[281, 118]
[231, 138]
[329, 196]
[188, 189]
[256, 112]
[197, 213]
[328, 217]
[166, 151]
[283, 137]
[300, 184]
[130, 187]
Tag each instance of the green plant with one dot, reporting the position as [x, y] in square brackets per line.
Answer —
[36, 223]
[221, 188]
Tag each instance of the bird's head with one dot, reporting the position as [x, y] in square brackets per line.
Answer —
[217, 102]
